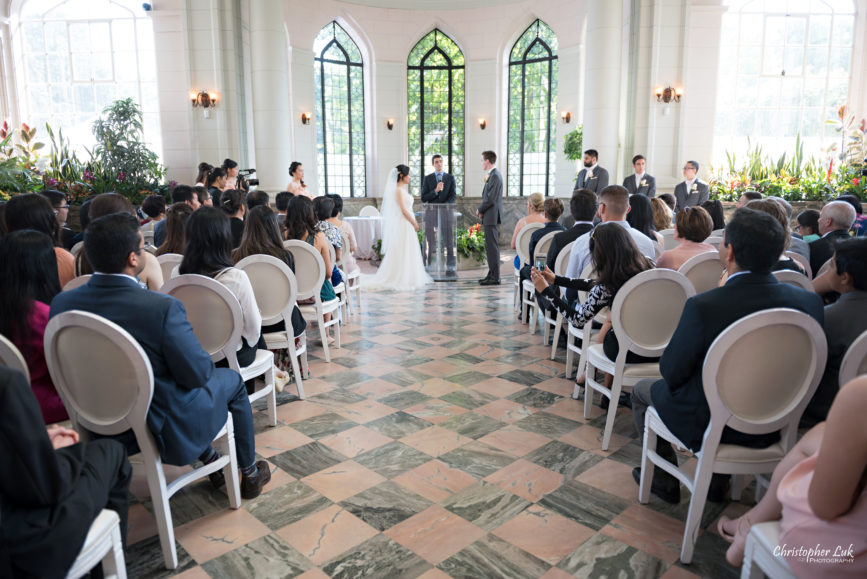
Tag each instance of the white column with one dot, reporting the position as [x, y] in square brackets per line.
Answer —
[270, 94]
[602, 82]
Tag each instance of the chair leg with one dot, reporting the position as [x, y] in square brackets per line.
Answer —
[703, 475]
[558, 326]
[570, 357]
[305, 367]
[737, 486]
[589, 393]
[296, 371]
[534, 316]
[156, 480]
[646, 465]
[337, 335]
[114, 564]
[616, 387]
[749, 570]
[270, 382]
[323, 334]
[230, 471]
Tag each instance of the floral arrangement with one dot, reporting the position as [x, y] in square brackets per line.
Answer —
[471, 243]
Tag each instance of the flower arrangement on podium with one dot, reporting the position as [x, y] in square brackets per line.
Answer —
[471, 243]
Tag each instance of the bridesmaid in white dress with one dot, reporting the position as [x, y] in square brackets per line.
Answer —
[402, 267]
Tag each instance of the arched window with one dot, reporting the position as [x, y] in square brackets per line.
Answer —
[75, 57]
[532, 102]
[435, 79]
[784, 70]
[339, 85]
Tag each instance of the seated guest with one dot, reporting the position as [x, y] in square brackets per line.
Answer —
[349, 263]
[106, 204]
[553, 209]
[859, 228]
[323, 207]
[662, 215]
[714, 208]
[262, 236]
[535, 214]
[301, 225]
[256, 198]
[281, 202]
[180, 194]
[640, 217]
[209, 253]
[202, 176]
[845, 320]
[83, 219]
[692, 226]
[796, 244]
[154, 207]
[216, 183]
[583, 209]
[808, 225]
[613, 207]
[60, 205]
[668, 199]
[752, 244]
[776, 211]
[28, 284]
[234, 204]
[191, 396]
[53, 486]
[203, 196]
[31, 211]
[835, 221]
[176, 238]
[746, 197]
[817, 493]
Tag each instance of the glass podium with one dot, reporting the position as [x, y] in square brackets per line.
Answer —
[439, 240]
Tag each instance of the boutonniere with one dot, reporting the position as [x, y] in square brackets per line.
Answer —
[643, 183]
[487, 177]
[694, 188]
[590, 175]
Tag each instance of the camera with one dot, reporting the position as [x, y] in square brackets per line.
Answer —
[245, 183]
[540, 261]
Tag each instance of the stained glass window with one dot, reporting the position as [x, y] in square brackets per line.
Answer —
[435, 79]
[77, 57]
[339, 86]
[532, 105]
[784, 70]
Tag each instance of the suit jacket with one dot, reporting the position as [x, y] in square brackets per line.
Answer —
[182, 415]
[41, 532]
[597, 183]
[686, 198]
[160, 232]
[679, 396]
[648, 189]
[563, 239]
[492, 199]
[429, 185]
[822, 249]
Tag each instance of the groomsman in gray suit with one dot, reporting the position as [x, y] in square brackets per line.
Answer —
[489, 212]
[592, 176]
[692, 192]
[640, 183]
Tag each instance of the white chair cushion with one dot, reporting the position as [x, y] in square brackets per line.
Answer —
[275, 338]
[738, 453]
[601, 361]
[264, 360]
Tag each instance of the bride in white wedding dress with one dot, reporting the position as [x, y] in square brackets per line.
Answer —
[402, 267]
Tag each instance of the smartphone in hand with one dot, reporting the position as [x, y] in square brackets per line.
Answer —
[539, 262]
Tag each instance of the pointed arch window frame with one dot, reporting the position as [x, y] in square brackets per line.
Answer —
[523, 61]
[453, 132]
[319, 62]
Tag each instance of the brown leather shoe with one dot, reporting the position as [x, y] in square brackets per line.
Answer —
[251, 486]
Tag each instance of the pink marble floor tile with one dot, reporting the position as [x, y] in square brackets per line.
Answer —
[544, 534]
[435, 534]
[435, 480]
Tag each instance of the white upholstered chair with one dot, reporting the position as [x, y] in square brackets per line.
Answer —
[102, 545]
[714, 240]
[341, 290]
[529, 291]
[668, 240]
[758, 377]
[215, 314]
[854, 361]
[522, 246]
[168, 262]
[703, 271]
[556, 322]
[10, 356]
[794, 278]
[112, 393]
[802, 261]
[76, 282]
[352, 278]
[584, 334]
[276, 289]
[369, 211]
[759, 558]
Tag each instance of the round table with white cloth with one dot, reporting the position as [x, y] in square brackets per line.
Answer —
[367, 230]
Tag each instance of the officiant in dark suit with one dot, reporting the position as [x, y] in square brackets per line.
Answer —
[592, 176]
[439, 188]
[640, 183]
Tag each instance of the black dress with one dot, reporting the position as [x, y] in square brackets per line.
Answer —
[237, 231]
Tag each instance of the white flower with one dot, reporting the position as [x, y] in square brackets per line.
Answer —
[643, 183]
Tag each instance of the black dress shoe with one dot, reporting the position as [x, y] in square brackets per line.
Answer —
[489, 282]
[251, 486]
[218, 479]
[667, 488]
[484, 279]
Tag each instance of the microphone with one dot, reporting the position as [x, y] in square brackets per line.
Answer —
[439, 177]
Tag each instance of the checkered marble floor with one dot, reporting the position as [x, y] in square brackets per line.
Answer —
[440, 441]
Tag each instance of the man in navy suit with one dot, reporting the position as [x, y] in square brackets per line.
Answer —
[592, 176]
[835, 220]
[439, 188]
[191, 397]
[752, 243]
[640, 183]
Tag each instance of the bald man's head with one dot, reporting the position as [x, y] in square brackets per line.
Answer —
[836, 215]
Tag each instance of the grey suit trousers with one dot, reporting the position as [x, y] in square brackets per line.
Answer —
[492, 250]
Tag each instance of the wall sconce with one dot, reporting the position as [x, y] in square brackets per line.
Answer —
[482, 124]
[668, 94]
[204, 99]
[305, 118]
[566, 116]
[389, 124]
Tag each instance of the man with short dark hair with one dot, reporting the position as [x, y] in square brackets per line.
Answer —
[191, 397]
[583, 209]
[180, 194]
[257, 197]
[281, 202]
[845, 320]
[640, 183]
[438, 188]
[692, 191]
[752, 244]
[748, 196]
[490, 214]
[835, 220]
[592, 176]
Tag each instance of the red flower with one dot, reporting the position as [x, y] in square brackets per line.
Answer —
[856, 181]
[25, 127]
[830, 166]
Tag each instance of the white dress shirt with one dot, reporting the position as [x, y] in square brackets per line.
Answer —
[580, 256]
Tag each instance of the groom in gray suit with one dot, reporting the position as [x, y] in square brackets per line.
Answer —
[489, 214]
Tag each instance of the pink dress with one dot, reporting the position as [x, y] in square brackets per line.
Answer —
[33, 351]
[676, 257]
[839, 547]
